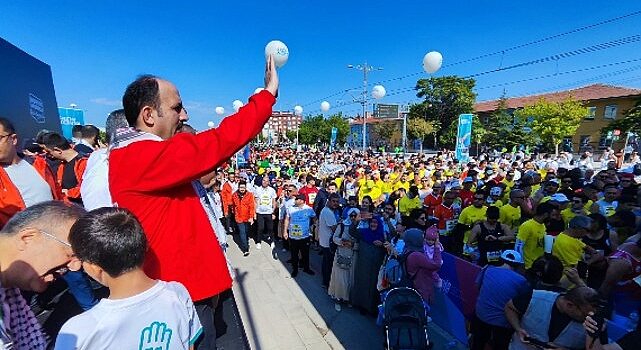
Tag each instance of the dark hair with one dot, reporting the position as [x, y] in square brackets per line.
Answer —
[547, 269]
[242, 182]
[42, 215]
[583, 296]
[90, 132]
[76, 130]
[492, 212]
[140, 93]
[111, 238]
[332, 184]
[7, 125]
[601, 221]
[544, 208]
[115, 120]
[333, 196]
[54, 140]
[40, 136]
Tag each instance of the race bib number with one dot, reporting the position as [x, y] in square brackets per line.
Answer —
[312, 197]
[610, 210]
[296, 231]
[450, 224]
[493, 256]
[265, 201]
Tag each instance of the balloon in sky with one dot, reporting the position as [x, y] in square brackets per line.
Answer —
[210, 124]
[378, 91]
[237, 104]
[432, 61]
[298, 110]
[279, 50]
[220, 110]
[258, 90]
[325, 106]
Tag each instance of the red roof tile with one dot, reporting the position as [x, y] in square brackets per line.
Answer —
[585, 93]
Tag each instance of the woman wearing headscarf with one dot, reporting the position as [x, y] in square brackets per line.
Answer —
[342, 276]
[371, 254]
[423, 260]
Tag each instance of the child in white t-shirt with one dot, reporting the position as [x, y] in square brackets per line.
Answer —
[140, 313]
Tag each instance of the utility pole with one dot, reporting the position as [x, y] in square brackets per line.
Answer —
[366, 68]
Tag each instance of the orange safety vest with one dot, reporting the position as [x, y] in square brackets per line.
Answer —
[78, 169]
[11, 201]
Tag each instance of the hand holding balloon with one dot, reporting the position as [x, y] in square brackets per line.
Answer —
[279, 50]
[271, 77]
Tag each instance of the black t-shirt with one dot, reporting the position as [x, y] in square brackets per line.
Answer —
[630, 341]
[69, 179]
[558, 320]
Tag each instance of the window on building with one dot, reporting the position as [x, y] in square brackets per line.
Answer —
[591, 113]
[610, 112]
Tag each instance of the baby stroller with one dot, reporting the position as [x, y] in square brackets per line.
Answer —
[405, 320]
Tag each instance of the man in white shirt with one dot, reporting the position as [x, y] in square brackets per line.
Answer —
[94, 188]
[265, 206]
[326, 225]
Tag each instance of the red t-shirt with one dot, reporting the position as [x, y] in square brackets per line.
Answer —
[467, 197]
[430, 202]
[310, 194]
[446, 218]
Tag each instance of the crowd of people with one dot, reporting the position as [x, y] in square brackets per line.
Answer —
[137, 228]
[550, 232]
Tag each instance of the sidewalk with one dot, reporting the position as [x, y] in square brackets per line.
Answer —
[279, 312]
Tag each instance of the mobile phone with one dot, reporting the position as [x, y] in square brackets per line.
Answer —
[599, 316]
[538, 343]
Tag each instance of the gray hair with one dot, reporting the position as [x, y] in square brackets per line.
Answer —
[42, 215]
[115, 120]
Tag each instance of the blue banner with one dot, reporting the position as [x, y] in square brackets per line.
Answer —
[332, 141]
[70, 117]
[463, 137]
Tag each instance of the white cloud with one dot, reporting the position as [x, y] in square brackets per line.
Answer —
[107, 102]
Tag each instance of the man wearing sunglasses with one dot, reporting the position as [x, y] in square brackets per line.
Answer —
[33, 252]
[151, 169]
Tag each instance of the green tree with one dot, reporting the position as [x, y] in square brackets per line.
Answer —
[315, 128]
[552, 121]
[506, 129]
[631, 121]
[444, 98]
[419, 128]
[480, 134]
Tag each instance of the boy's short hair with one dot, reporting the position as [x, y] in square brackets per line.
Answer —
[111, 238]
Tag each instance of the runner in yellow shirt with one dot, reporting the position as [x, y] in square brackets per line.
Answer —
[568, 246]
[510, 214]
[530, 239]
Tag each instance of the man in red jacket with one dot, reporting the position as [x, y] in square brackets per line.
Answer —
[151, 173]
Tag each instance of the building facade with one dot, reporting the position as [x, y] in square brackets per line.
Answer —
[279, 124]
[605, 103]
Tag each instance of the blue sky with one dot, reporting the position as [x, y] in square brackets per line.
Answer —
[213, 50]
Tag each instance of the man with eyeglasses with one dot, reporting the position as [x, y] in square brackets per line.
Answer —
[576, 208]
[24, 181]
[151, 170]
[33, 252]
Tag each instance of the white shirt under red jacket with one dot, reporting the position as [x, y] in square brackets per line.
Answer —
[152, 178]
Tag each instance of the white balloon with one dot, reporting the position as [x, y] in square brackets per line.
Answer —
[258, 90]
[237, 104]
[220, 110]
[279, 50]
[210, 124]
[432, 61]
[298, 110]
[378, 92]
[325, 106]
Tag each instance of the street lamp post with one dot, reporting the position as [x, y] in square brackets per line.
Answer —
[366, 68]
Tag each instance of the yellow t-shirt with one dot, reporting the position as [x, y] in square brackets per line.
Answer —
[470, 216]
[567, 214]
[568, 249]
[401, 184]
[498, 204]
[511, 216]
[535, 189]
[588, 205]
[532, 234]
[338, 181]
[406, 205]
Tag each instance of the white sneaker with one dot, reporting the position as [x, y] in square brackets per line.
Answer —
[273, 245]
[258, 246]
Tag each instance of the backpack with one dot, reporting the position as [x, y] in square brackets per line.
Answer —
[396, 273]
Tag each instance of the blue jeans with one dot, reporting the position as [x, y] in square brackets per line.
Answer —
[80, 288]
[243, 227]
